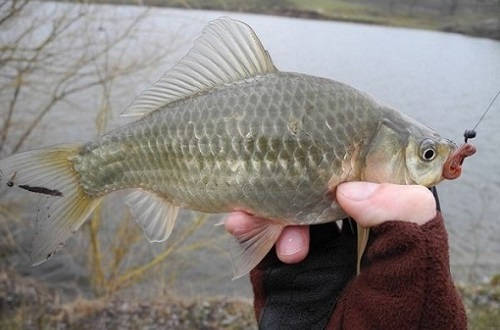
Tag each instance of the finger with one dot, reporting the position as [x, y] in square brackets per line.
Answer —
[293, 244]
[238, 223]
[371, 204]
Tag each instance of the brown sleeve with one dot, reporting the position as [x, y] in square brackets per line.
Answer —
[405, 282]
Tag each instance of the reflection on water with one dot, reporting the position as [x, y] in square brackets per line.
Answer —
[443, 80]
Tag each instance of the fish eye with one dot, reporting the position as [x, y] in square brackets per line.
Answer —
[427, 150]
[429, 154]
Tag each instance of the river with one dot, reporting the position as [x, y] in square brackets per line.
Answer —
[442, 79]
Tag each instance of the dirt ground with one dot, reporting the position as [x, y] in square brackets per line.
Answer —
[27, 304]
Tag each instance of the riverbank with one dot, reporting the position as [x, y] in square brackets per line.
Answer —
[26, 303]
[478, 20]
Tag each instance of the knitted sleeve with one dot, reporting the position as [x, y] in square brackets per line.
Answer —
[405, 282]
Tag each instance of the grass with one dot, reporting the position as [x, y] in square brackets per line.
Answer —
[482, 303]
[484, 319]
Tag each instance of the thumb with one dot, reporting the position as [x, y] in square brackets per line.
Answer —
[371, 204]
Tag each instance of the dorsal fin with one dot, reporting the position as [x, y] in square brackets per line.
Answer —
[227, 51]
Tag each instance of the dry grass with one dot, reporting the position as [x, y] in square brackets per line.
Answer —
[27, 304]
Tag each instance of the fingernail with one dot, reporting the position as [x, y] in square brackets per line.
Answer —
[358, 191]
[293, 242]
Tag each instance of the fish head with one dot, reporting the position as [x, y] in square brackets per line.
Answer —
[405, 151]
[426, 157]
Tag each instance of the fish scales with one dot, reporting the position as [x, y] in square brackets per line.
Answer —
[253, 145]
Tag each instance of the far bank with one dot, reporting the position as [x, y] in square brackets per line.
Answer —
[480, 18]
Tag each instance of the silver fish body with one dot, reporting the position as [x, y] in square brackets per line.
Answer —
[269, 145]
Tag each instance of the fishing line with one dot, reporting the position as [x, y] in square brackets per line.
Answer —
[471, 133]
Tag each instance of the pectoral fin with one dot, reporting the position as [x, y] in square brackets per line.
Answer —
[254, 245]
[363, 235]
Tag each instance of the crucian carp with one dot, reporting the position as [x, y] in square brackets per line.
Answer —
[225, 130]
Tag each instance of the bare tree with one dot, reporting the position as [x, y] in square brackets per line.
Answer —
[50, 52]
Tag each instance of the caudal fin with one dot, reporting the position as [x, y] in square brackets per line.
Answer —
[50, 173]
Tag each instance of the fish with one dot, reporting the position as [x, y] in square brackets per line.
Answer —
[224, 130]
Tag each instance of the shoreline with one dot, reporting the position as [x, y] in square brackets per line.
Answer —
[488, 29]
[469, 23]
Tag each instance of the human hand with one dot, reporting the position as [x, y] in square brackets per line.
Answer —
[370, 204]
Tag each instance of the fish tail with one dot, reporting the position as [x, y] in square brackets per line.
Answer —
[50, 174]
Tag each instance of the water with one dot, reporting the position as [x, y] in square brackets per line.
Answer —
[444, 80]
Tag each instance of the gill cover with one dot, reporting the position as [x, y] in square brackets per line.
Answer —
[403, 151]
[385, 158]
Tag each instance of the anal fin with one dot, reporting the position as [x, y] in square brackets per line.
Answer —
[254, 245]
[155, 215]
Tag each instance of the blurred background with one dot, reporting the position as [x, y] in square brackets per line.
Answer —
[67, 70]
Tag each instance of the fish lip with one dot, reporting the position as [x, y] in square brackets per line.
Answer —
[452, 167]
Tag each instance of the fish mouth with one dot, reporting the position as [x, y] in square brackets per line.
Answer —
[452, 168]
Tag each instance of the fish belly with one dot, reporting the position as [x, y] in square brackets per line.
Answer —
[274, 146]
